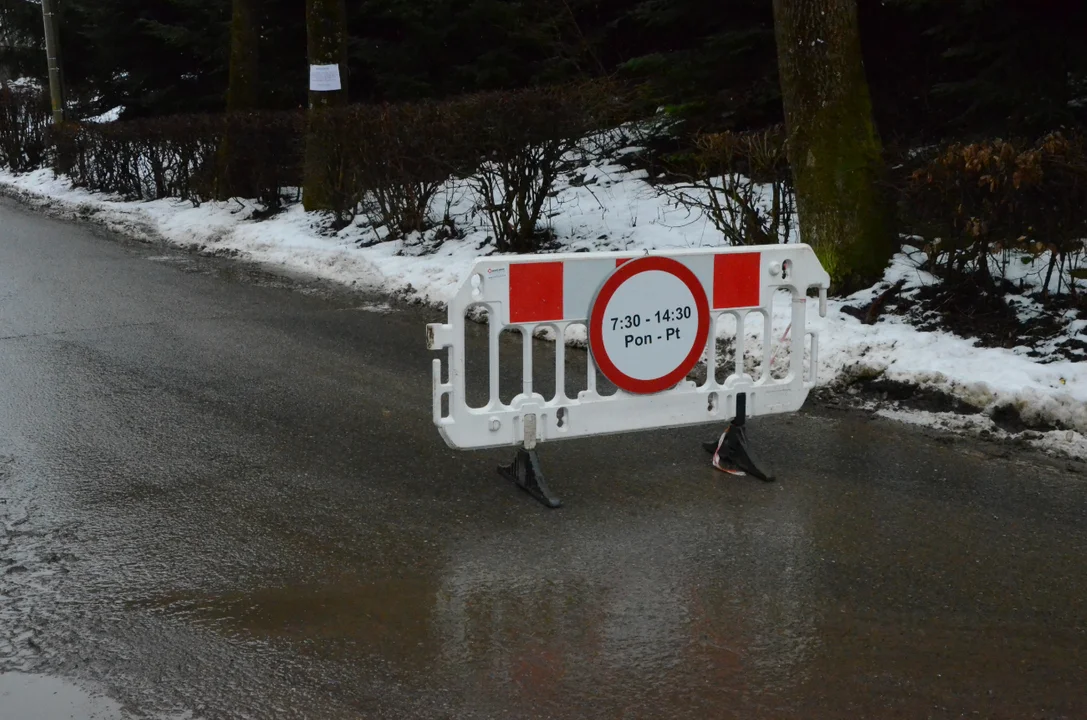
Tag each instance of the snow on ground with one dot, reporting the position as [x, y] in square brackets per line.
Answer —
[987, 378]
[1067, 442]
[111, 115]
[607, 208]
[25, 83]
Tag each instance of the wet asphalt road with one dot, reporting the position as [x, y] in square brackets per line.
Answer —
[221, 496]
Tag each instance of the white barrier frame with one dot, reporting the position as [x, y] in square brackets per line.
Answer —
[531, 418]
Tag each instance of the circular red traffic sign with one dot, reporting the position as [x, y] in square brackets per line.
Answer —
[649, 325]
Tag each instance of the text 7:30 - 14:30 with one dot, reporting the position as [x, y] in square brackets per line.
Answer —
[662, 316]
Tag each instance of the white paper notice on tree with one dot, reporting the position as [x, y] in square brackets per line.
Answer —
[324, 78]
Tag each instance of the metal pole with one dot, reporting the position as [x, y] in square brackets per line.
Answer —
[52, 52]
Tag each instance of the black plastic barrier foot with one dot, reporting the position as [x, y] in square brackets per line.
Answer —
[732, 454]
[526, 473]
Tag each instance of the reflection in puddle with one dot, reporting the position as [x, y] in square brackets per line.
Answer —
[636, 613]
[684, 620]
[387, 616]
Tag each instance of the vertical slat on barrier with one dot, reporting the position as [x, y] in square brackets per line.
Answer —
[560, 361]
[799, 336]
[494, 329]
[711, 351]
[445, 406]
[741, 325]
[527, 333]
[458, 373]
[767, 339]
[590, 380]
[814, 356]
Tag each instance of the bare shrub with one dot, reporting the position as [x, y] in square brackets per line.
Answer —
[25, 118]
[525, 137]
[740, 182]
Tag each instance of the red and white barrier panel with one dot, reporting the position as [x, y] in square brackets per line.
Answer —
[650, 320]
[541, 289]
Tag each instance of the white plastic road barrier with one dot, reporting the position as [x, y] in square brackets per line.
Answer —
[651, 318]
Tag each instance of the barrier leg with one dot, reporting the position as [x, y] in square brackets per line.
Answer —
[525, 469]
[526, 473]
[732, 453]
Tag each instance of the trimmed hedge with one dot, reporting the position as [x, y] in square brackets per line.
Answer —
[388, 162]
[25, 119]
[181, 156]
[973, 202]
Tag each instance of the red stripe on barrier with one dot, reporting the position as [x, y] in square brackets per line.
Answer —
[620, 261]
[736, 281]
[535, 292]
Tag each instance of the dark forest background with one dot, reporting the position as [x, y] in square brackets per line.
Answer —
[937, 68]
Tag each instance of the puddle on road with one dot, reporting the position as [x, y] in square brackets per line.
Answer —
[40, 697]
[384, 615]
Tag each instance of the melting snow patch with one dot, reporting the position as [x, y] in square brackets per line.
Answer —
[108, 116]
[1059, 442]
[381, 308]
[41, 696]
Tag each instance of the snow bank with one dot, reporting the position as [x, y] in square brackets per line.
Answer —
[1052, 393]
[607, 208]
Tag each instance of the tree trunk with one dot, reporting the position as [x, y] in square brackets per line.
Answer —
[833, 146]
[243, 91]
[326, 29]
[242, 95]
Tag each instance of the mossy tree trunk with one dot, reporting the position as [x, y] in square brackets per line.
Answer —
[326, 30]
[243, 92]
[834, 148]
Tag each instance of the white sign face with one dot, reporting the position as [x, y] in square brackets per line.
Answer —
[324, 78]
[650, 325]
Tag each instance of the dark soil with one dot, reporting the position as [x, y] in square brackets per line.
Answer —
[864, 391]
[980, 310]
[916, 398]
